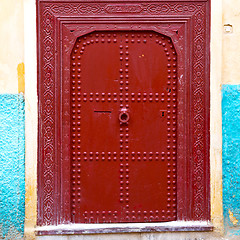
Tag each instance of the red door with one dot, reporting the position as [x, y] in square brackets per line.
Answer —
[123, 127]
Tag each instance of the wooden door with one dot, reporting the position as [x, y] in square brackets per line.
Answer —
[124, 107]
[123, 127]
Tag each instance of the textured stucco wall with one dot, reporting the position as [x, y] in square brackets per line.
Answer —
[12, 143]
[12, 168]
[231, 158]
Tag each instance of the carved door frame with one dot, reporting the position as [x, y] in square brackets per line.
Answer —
[60, 23]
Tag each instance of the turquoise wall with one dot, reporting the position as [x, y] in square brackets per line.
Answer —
[12, 168]
[231, 157]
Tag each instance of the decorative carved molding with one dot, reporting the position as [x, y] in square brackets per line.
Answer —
[123, 8]
[47, 147]
[113, 8]
[199, 113]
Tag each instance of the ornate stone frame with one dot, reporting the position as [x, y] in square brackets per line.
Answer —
[60, 22]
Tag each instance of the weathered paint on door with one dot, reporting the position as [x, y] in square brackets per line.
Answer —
[123, 127]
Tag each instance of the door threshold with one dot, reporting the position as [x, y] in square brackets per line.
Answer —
[95, 228]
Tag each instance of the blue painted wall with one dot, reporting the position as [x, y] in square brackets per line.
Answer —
[231, 157]
[12, 168]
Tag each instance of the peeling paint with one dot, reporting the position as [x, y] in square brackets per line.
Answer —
[21, 77]
[232, 218]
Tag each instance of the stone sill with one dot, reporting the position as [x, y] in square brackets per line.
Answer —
[176, 226]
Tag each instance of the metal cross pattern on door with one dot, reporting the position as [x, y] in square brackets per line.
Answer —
[123, 127]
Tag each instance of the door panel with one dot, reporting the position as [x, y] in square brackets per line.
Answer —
[98, 57]
[147, 123]
[123, 170]
[99, 193]
[148, 60]
[99, 128]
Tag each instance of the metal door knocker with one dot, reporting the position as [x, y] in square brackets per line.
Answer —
[124, 116]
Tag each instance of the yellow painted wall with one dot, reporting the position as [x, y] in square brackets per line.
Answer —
[11, 45]
[231, 43]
